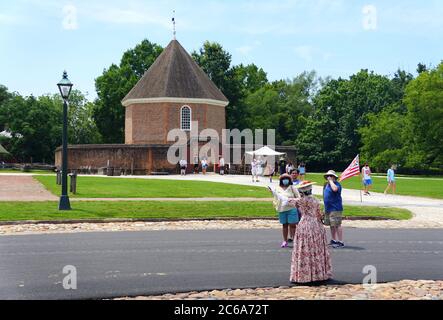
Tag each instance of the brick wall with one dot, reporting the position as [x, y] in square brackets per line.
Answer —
[150, 123]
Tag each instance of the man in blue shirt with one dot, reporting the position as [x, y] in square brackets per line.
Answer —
[333, 208]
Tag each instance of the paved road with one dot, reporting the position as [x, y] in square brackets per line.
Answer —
[141, 263]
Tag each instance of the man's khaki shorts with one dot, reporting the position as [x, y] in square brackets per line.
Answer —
[334, 218]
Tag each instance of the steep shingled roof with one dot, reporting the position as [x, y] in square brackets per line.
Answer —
[175, 75]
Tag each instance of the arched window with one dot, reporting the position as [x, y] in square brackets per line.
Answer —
[185, 118]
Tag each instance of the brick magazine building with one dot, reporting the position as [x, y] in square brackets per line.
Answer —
[172, 94]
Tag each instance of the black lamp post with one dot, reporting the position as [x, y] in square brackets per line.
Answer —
[65, 87]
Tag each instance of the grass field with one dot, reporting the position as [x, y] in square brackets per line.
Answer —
[97, 187]
[406, 185]
[15, 211]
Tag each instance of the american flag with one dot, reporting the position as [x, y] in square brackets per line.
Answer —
[352, 170]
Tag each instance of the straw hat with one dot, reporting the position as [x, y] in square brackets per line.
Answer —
[285, 175]
[330, 173]
[305, 185]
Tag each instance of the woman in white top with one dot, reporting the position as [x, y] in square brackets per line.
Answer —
[288, 215]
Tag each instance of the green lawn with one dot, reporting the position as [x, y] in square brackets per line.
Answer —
[424, 187]
[98, 187]
[14, 211]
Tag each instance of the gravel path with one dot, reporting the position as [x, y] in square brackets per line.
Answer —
[16, 187]
[401, 290]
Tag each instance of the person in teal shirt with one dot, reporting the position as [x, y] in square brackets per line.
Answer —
[391, 179]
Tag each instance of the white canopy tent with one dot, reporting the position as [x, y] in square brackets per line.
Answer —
[266, 152]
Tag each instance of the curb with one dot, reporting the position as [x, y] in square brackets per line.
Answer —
[25, 222]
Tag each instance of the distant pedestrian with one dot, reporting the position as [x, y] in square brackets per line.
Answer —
[311, 261]
[222, 166]
[333, 208]
[289, 168]
[254, 170]
[282, 166]
[302, 170]
[260, 167]
[366, 178]
[391, 179]
[195, 165]
[183, 166]
[205, 165]
[271, 170]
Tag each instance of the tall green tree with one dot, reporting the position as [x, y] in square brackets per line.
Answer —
[283, 106]
[215, 62]
[35, 125]
[344, 105]
[236, 82]
[115, 83]
[424, 99]
[245, 80]
[82, 128]
[384, 139]
[4, 97]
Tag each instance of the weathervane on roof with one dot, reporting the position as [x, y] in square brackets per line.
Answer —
[173, 24]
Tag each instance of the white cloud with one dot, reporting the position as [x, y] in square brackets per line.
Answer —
[369, 17]
[70, 17]
[305, 52]
[244, 50]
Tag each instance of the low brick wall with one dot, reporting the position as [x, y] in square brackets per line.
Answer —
[133, 159]
[129, 159]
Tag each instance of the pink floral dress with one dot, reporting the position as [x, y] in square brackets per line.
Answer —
[310, 257]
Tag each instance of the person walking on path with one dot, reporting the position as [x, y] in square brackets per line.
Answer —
[205, 165]
[282, 165]
[183, 166]
[289, 168]
[302, 170]
[288, 214]
[311, 261]
[333, 208]
[271, 171]
[222, 166]
[195, 165]
[366, 178]
[260, 168]
[254, 170]
[391, 179]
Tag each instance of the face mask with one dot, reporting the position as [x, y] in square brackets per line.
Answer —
[285, 182]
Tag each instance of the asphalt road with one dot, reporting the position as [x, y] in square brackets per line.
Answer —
[142, 263]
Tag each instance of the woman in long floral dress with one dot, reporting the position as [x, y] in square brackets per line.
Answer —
[311, 261]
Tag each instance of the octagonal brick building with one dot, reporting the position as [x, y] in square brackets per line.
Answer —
[172, 93]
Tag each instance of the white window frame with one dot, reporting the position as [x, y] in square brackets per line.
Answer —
[190, 118]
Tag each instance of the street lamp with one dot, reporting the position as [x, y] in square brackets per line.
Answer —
[65, 87]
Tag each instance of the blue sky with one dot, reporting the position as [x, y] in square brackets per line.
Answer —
[41, 38]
